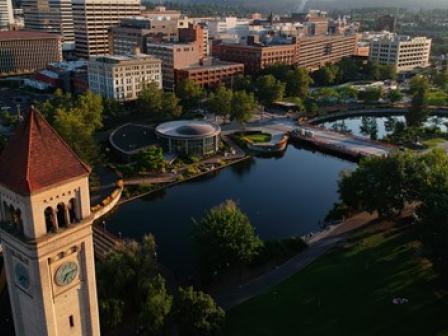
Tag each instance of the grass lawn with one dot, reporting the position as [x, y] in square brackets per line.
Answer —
[432, 143]
[349, 292]
[258, 137]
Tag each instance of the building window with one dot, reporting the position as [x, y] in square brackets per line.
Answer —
[71, 321]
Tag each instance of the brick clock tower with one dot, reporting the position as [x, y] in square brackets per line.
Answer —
[46, 234]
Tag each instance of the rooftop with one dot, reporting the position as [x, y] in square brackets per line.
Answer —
[26, 35]
[188, 129]
[36, 157]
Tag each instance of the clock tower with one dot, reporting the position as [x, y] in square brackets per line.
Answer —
[46, 233]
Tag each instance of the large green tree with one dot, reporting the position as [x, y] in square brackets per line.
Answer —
[151, 158]
[129, 284]
[149, 101]
[298, 83]
[220, 102]
[269, 89]
[197, 314]
[418, 83]
[170, 107]
[76, 119]
[326, 75]
[225, 238]
[190, 94]
[418, 112]
[244, 106]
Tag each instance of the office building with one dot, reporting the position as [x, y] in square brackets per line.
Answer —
[51, 16]
[23, 52]
[174, 56]
[6, 14]
[405, 52]
[123, 77]
[94, 18]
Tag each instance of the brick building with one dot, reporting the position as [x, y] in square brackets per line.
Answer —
[24, 52]
[317, 51]
[210, 73]
[311, 52]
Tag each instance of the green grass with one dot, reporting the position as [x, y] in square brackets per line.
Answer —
[431, 143]
[258, 137]
[349, 292]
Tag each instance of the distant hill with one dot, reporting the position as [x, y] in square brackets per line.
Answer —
[288, 6]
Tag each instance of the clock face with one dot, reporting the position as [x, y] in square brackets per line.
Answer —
[22, 276]
[66, 273]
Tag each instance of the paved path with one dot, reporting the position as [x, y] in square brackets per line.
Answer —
[318, 247]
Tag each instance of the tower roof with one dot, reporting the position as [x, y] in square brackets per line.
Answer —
[36, 157]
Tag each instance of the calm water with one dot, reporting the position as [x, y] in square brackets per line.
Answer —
[283, 197]
[354, 124]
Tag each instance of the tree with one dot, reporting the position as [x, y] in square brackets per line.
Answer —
[157, 305]
[170, 107]
[242, 83]
[418, 112]
[387, 71]
[220, 101]
[113, 108]
[347, 93]
[371, 95]
[369, 127]
[151, 158]
[298, 83]
[349, 69]
[278, 70]
[197, 314]
[418, 83]
[394, 96]
[190, 94]
[149, 100]
[137, 289]
[372, 70]
[3, 141]
[269, 89]
[225, 238]
[376, 185]
[326, 75]
[441, 79]
[326, 96]
[433, 220]
[243, 106]
[77, 120]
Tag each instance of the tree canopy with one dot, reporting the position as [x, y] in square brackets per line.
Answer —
[225, 238]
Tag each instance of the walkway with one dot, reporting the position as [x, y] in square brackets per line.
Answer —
[342, 143]
[318, 247]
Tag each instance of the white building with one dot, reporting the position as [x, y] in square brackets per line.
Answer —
[405, 52]
[93, 19]
[6, 14]
[51, 16]
[123, 77]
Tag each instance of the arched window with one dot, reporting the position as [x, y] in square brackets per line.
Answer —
[50, 220]
[11, 214]
[6, 212]
[73, 216]
[62, 215]
[18, 220]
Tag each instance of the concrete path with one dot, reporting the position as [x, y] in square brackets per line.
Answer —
[319, 245]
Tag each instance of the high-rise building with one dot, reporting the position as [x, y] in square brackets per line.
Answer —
[46, 234]
[123, 77]
[51, 16]
[94, 18]
[405, 52]
[197, 33]
[6, 14]
[23, 52]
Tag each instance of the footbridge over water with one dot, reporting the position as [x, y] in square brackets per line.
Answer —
[341, 143]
